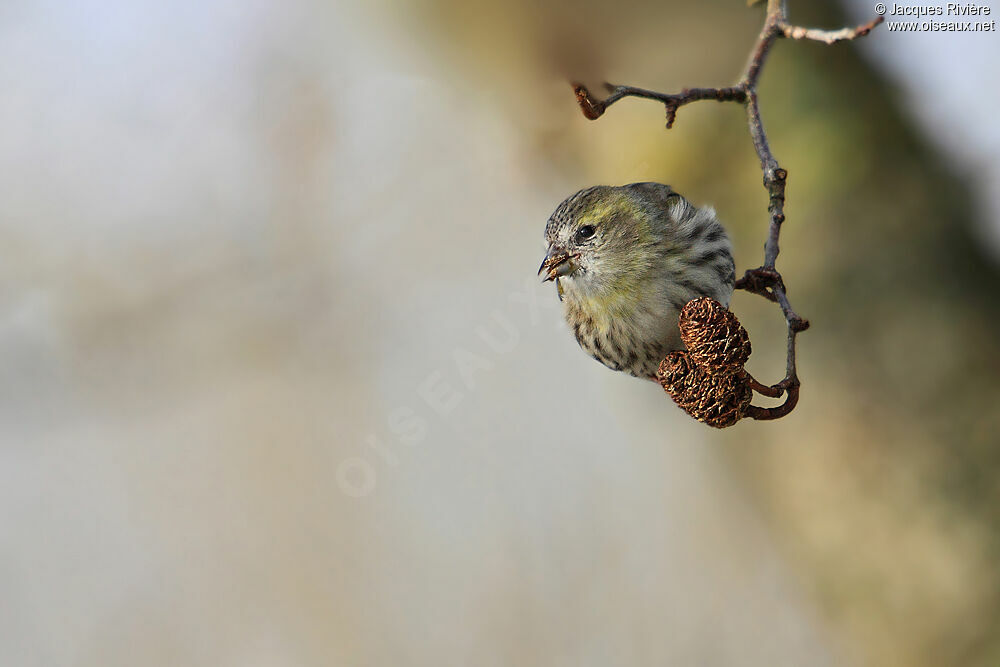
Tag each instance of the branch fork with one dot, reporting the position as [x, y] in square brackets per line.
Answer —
[764, 280]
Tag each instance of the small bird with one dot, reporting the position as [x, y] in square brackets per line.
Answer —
[625, 261]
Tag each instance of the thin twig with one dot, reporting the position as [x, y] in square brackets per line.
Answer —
[829, 36]
[764, 280]
[593, 109]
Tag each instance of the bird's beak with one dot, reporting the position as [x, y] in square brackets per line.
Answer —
[557, 263]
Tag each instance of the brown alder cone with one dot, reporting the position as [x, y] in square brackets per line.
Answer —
[708, 381]
[716, 399]
[713, 336]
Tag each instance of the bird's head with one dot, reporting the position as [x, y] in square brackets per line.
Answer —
[600, 239]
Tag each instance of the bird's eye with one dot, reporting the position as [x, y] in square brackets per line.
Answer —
[585, 232]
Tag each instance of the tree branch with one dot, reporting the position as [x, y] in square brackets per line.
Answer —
[764, 280]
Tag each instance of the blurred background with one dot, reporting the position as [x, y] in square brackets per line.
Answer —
[280, 387]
